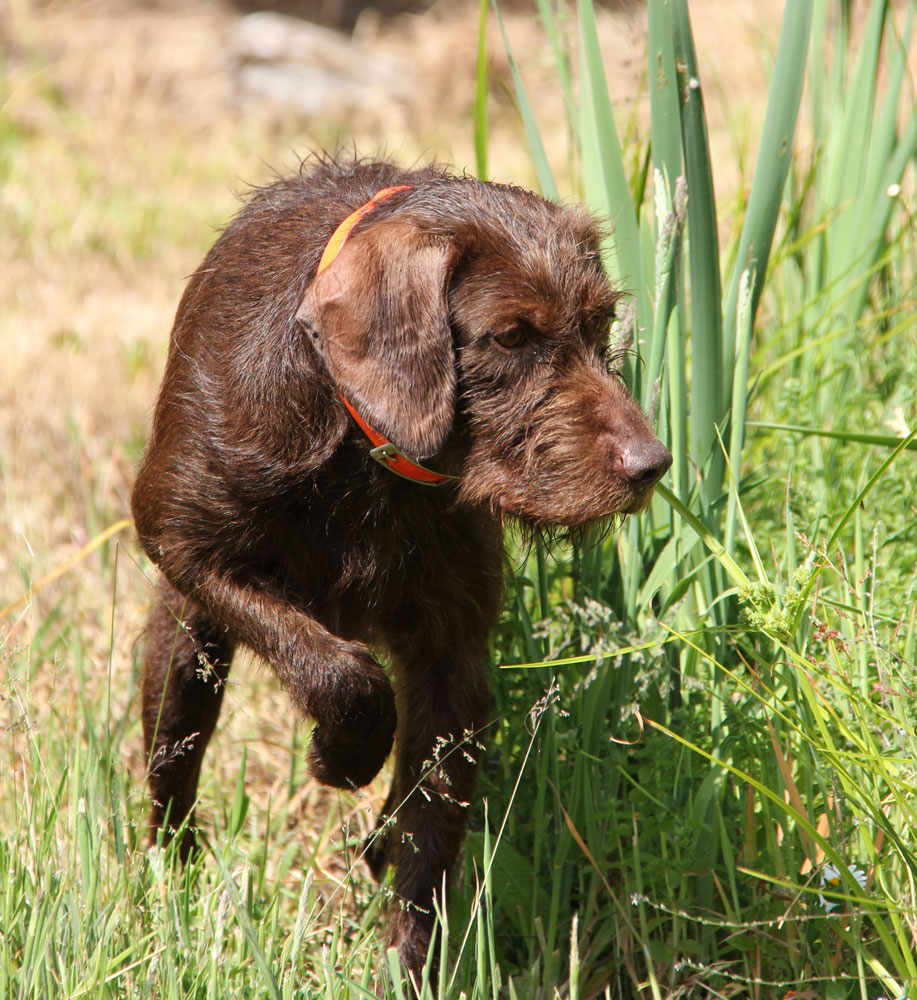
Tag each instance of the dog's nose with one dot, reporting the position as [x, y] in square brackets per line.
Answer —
[644, 463]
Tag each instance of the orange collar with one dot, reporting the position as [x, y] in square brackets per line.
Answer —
[383, 451]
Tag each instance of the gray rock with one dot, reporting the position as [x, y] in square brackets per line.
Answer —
[313, 69]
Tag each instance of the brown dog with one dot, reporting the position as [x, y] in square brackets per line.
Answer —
[348, 313]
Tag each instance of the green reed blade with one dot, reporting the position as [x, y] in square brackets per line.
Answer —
[707, 406]
[607, 189]
[775, 155]
[536, 146]
[480, 94]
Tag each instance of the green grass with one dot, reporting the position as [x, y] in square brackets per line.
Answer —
[775, 570]
[699, 779]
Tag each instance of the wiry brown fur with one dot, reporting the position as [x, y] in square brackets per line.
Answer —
[274, 528]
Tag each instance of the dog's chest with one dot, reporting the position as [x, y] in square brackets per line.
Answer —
[393, 561]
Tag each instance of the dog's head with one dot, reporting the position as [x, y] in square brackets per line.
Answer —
[484, 311]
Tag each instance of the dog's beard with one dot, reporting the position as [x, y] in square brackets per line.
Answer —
[556, 537]
[547, 492]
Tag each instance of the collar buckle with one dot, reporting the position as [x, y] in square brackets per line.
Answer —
[385, 454]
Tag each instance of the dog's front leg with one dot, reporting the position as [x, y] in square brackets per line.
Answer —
[186, 663]
[443, 704]
[336, 683]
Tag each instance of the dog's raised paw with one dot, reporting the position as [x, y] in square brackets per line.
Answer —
[351, 743]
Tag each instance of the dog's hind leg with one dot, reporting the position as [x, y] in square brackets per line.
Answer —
[185, 668]
[443, 704]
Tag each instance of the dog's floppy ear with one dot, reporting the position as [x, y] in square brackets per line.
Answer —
[379, 317]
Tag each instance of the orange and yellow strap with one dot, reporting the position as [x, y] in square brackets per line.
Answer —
[343, 231]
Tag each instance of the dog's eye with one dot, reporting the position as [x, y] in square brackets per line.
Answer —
[510, 339]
